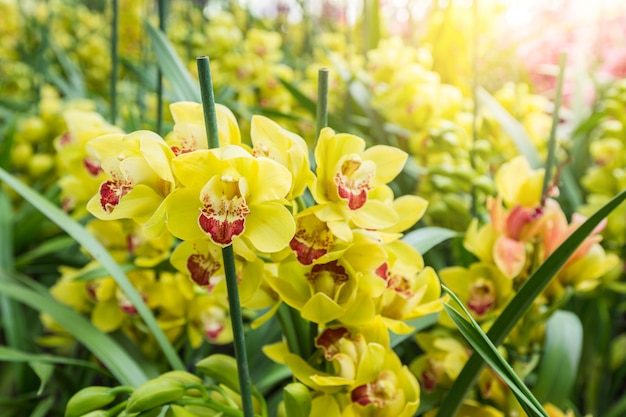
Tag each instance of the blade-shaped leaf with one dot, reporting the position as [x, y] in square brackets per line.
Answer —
[483, 346]
[102, 346]
[426, 238]
[44, 371]
[13, 355]
[559, 363]
[91, 244]
[184, 87]
[522, 301]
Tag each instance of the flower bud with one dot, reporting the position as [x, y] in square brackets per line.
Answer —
[297, 400]
[222, 368]
[155, 393]
[87, 400]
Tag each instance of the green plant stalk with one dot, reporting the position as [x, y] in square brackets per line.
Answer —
[321, 118]
[238, 335]
[551, 159]
[228, 255]
[288, 328]
[114, 60]
[522, 301]
[162, 20]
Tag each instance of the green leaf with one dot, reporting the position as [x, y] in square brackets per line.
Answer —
[522, 301]
[13, 355]
[47, 247]
[561, 355]
[43, 407]
[512, 127]
[483, 346]
[44, 371]
[101, 345]
[551, 159]
[426, 238]
[184, 87]
[100, 254]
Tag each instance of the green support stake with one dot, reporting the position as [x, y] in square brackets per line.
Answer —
[228, 255]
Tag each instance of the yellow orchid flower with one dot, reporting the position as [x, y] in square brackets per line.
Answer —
[284, 147]
[201, 260]
[411, 290]
[443, 360]
[189, 133]
[348, 175]
[81, 174]
[366, 379]
[138, 175]
[517, 183]
[126, 241]
[482, 287]
[112, 308]
[321, 292]
[208, 319]
[229, 194]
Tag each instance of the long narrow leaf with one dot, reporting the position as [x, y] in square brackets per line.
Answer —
[559, 363]
[183, 85]
[108, 352]
[483, 346]
[522, 301]
[91, 244]
[426, 238]
[13, 355]
[551, 159]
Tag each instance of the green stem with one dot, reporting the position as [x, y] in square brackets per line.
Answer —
[159, 121]
[208, 104]
[208, 101]
[114, 60]
[322, 101]
[288, 328]
[550, 161]
[238, 334]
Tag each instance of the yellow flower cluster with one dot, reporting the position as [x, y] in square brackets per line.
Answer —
[337, 259]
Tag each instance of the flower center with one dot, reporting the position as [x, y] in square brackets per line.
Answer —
[482, 297]
[328, 279]
[112, 191]
[312, 240]
[201, 268]
[378, 392]
[224, 213]
[354, 180]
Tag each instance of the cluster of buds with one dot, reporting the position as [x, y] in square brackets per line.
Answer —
[177, 393]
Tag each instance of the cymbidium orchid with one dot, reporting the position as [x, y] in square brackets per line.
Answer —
[411, 290]
[201, 261]
[138, 175]
[227, 195]
[189, 132]
[482, 287]
[81, 173]
[443, 359]
[322, 292]
[284, 147]
[351, 180]
[366, 378]
[126, 241]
